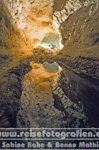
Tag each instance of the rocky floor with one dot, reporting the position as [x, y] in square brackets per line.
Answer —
[33, 97]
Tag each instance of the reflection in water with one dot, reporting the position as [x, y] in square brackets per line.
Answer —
[37, 100]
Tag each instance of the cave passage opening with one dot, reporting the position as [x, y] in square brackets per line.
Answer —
[52, 41]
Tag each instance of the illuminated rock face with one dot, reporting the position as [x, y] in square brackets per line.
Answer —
[31, 17]
[71, 16]
[35, 18]
[82, 21]
[63, 9]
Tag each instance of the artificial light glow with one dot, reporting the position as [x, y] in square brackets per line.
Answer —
[44, 45]
[52, 41]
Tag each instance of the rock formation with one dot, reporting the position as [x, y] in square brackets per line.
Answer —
[49, 63]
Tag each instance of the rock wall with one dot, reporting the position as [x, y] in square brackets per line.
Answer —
[79, 30]
[31, 17]
[63, 9]
[10, 93]
[83, 91]
[75, 20]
